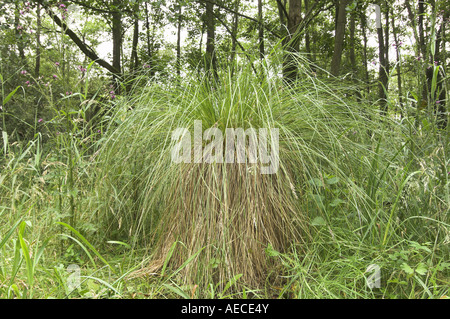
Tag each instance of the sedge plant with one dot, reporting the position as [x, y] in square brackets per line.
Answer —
[229, 212]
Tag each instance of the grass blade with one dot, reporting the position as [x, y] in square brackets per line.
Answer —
[84, 240]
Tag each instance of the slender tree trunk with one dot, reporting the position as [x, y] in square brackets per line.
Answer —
[416, 19]
[398, 66]
[365, 40]
[261, 30]
[339, 36]
[117, 36]
[292, 40]
[421, 13]
[308, 36]
[383, 76]
[200, 44]
[150, 36]
[386, 37]
[235, 30]
[352, 55]
[134, 45]
[439, 98]
[412, 15]
[235, 35]
[295, 17]
[178, 66]
[210, 39]
[37, 65]
[147, 33]
[282, 13]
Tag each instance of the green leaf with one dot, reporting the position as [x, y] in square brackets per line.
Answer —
[118, 243]
[396, 281]
[318, 221]
[336, 202]
[421, 269]
[186, 262]
[420, 247]
[10, 95]
[443, 266]
[405, 267]
[82, 246]
[393, 256]
[332, 180]
[316, 182]
[92, 285]
[169, 255]
[5, 239]
[15, 289]
[177, 290]
[230, 283]
[434, 82]
[214, 262]
[26, 253]
[84, 240]
[271, 252]
[103, 283]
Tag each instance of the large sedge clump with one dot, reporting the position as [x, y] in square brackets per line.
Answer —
[223, 215]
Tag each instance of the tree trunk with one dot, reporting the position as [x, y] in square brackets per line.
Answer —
[398, 67]
[308, 36]
[365, 40]
[210, 58]
[117, 36]
[386, 39]
[339, 36]
[412, 19]
[421, 12]
[352, 55]
[134, 45]
[420, 54]
[282, 15]
[147, 33]
[178, 66]
[292, 40]
[37, 65]
[234, 36]
[260, 30]
[383, 76]
[439, 95]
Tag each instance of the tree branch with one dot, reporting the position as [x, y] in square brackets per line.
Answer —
[283, 8]
[234, 38]
[84, 5]
[241, 15]
[83, 46]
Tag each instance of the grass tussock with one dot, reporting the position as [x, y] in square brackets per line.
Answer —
[226, 215]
